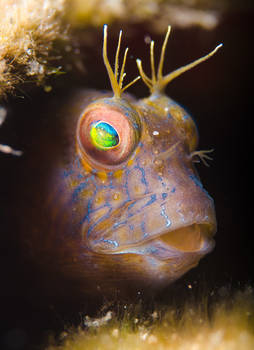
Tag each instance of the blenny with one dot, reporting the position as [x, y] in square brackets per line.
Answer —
[116, 203]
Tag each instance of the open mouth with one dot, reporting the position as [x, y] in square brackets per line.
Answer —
[192, 240]
[189, 238]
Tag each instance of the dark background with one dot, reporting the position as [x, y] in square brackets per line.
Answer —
[218, 94]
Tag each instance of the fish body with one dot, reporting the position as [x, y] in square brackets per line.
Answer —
[119, 205]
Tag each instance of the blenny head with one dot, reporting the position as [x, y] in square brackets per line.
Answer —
[148, 212]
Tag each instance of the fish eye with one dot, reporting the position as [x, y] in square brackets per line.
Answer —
[108, 132]
[104, 136]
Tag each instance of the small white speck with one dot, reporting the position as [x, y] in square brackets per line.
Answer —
[216, 337]
[147, 39]
[158, 162]
[155, 315]
[143, 336]
[152, 339]
[29, 52]
[155, 133]
[97, 322]
[115, 332]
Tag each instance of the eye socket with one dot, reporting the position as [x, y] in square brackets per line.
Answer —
[108, 132]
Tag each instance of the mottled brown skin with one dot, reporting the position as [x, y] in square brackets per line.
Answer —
[141, 223]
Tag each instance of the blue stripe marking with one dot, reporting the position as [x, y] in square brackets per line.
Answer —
[106, 216]
[143, 174]
[163, 213]
[152, 200]
[120, 223]
[164, 195]
[67, 173]
[143, 228]
[131, 227]
[114, 243]
[125, 186]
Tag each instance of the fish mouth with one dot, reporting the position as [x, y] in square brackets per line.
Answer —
[153, 226]
[192, 240]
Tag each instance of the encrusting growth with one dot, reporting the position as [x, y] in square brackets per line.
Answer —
[30, 32]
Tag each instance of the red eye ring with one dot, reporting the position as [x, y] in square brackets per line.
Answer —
[123, 118]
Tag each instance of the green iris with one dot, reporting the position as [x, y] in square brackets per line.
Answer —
[104, 136]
